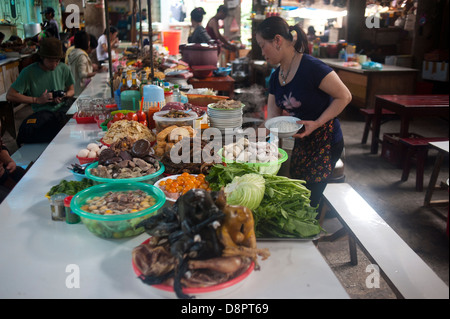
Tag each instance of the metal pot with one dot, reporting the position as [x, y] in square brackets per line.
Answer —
[31, 29]
[199, 54]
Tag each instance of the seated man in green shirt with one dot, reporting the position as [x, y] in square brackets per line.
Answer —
[37, 81]
[35, 85]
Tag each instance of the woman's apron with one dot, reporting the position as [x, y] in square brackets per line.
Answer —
[311, 156]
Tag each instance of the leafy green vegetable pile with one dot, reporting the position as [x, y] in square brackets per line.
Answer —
[284, 210]
[70, 187]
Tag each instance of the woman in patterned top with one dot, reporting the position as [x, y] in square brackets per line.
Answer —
[304, 87]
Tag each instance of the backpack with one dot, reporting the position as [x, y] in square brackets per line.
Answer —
[40, 127]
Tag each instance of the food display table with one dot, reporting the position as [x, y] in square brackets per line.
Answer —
[219, 83]
[407, 107]
[42, 258]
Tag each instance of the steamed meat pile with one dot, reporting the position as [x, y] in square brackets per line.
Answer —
[198, 242]
[199, 160]
[126, 159]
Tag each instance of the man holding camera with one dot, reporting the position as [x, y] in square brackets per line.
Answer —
[38, 82]
[48, 86]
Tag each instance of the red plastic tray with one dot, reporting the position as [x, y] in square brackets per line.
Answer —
[83, 120]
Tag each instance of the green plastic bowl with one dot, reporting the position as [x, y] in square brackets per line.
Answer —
[115, 226]
[148, 179]
[263, 168]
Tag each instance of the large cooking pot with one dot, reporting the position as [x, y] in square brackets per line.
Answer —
[199, 53]
[31, 29]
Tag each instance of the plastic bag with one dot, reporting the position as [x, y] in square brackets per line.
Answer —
[371, 66]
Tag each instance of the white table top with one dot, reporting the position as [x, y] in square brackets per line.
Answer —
[35, 250]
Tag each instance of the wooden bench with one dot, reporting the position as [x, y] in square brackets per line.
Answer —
[417, 147]
[405, 272]
[443, 150]
[369, 114]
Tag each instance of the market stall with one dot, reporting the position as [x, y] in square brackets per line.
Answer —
[56, 259]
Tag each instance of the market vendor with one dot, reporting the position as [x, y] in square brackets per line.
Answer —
[213, 28]
[304, 87]
[199, 35]
[50, 25]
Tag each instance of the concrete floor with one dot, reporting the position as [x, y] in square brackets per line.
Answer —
[378, 181]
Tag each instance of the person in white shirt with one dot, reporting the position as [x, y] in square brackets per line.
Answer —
[102, 47]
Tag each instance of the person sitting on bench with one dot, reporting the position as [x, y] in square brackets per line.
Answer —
[48, 86]
[10, 174]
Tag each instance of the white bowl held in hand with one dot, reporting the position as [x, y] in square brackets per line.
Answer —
[283, 126]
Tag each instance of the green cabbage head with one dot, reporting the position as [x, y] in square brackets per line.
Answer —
[246, 190]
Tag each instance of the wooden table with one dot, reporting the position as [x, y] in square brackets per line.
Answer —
[219, 83]
[407, 107]
[443, 148]
[365, 84]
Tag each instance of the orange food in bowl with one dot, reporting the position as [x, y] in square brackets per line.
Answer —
[183, 183]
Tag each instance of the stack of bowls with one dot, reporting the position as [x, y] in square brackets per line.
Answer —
[225, 118]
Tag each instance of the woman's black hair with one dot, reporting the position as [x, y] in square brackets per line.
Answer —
[222, 8]
[112, 29]
[93, 43]
[197, 14]
[272, 26]
[81, 40]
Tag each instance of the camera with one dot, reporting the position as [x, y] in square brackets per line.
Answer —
[57, 93]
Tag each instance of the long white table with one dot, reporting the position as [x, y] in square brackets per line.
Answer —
[37, 253]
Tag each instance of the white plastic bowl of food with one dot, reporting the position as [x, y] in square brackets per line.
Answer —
[283, 126]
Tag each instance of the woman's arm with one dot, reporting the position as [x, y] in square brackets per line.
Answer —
[272, 109]
[215, 27]
[332, 85]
